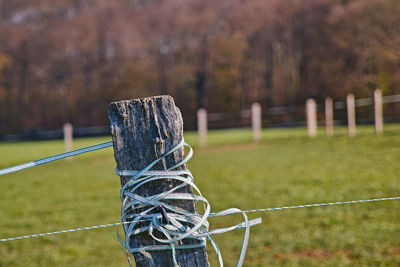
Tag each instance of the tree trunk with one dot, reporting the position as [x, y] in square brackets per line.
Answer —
[142, 130]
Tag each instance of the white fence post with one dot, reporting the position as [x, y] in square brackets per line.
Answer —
[329, 116]
[378, 112]
[311, 111]
[202, 126]
[351, 115]
[256, 121]
[68, 136]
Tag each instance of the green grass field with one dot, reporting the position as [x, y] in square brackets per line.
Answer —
[286, 168]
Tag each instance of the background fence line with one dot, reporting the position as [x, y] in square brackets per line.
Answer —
[311, 109]
[278, 116]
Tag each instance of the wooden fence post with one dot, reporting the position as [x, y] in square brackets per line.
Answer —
[378, 112]
[351, 115]
[329, 116]
[68, 137]
[142, 130]
[202, 126]
[256, 121]
[311, 109]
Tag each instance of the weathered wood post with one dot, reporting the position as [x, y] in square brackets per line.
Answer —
[351, 115]
[329, 116]
[378, 112]
[256, 121]
[68, 137]
[202, 126]
[142, 130]
[311, 111]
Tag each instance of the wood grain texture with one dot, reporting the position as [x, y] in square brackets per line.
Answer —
[142, 130]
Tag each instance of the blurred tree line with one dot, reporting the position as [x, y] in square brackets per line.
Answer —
[65, 60]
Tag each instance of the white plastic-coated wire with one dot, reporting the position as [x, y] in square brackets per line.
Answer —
[156, 216]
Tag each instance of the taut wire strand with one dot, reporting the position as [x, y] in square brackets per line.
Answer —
[241, 226]
[324, 204]
[61, 232]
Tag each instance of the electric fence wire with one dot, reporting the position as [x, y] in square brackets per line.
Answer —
[246, 211]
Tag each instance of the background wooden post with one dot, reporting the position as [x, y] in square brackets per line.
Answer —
[329, 116]
[68, 137]
[351, 115]
[378, 112]
[142, 130]
[256, 121]
[311, 110]
[202, 126]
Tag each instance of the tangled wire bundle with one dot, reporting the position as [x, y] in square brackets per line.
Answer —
[172, 222]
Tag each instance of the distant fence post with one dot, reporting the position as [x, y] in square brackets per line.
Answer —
[202, 126]
[351, 115]
[256, 121]
[378, 112]
[68, 137]
[329, 116]
[311, 111]
[142, 130]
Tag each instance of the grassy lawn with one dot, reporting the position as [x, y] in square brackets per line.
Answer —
[285, 168]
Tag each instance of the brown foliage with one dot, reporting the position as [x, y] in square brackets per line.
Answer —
[66, 60]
